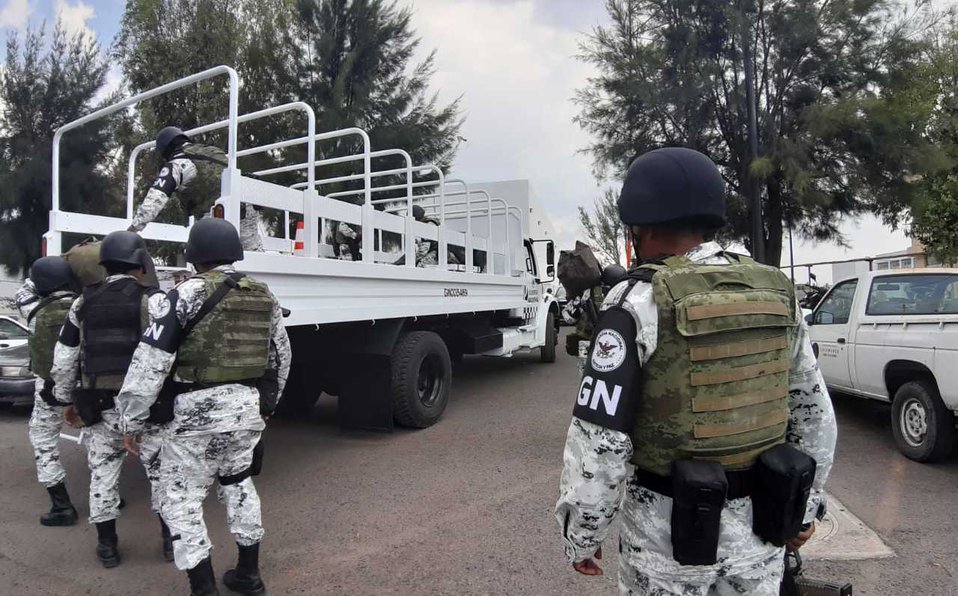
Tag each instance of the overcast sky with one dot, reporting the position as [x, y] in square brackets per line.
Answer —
[513, 63]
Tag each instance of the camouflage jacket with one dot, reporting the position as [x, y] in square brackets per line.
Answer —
[596, 459]
[176, 175]
[223, 408]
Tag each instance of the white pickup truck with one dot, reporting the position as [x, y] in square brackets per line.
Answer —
[893, 336]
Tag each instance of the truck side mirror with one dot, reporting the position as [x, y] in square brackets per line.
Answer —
[550, 257]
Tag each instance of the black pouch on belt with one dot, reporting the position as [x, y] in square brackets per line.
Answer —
[699, 489]
[783, 482]
[90, 402]
[257, 466]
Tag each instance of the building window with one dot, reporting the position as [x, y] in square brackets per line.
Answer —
[900, 263]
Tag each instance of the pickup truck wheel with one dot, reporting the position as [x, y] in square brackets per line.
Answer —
[547, 353]
[421, 378]
[924, 428]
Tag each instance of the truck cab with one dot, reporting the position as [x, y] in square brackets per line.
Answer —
[893, 336]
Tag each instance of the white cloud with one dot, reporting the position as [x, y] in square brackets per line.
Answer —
[15, 14]
[74, 17]
[516, 73]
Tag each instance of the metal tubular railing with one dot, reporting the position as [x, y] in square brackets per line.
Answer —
[296, 105]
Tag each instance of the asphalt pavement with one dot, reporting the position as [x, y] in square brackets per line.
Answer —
[464, 507]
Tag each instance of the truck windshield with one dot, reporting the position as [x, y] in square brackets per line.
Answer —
[927, 294]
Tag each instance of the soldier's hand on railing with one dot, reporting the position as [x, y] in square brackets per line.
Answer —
[589, 566]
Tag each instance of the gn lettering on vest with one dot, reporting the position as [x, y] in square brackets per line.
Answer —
[154, 331]
[594, 392]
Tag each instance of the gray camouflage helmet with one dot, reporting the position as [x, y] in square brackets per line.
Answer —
[123, 247]
[50, 274]
[166, 137]
[213, 240]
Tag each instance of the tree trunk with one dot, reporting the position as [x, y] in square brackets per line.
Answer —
[773, 224]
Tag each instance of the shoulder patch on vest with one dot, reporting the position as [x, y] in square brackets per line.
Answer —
[608, 391]
[164, 330]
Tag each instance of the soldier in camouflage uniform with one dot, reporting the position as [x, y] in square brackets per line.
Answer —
[740, 379]
[427, 251]
[222, 391]
[193, 171]
[96, 344]
[583, 312]
[348, 242]
[44, 300]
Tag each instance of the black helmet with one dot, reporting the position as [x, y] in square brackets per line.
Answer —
[613, 274]
[50, 274]
[418, 212]
[123, 247]
[672, 184]
[166, 137]
[213, 240]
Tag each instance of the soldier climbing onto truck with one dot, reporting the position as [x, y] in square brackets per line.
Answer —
[193, 171]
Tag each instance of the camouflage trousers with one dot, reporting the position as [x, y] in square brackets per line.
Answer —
[251, 230]
[746, 565]
[105, 455]
[45, 424]
[189, 466]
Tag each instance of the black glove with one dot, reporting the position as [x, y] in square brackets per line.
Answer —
[268, 387]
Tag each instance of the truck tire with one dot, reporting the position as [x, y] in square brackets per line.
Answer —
[547, 353]
[421, 379]
[924, 428]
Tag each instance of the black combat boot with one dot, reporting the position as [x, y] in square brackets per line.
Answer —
[106, 546]
[245, 578]
[167, 540]
[202, 580]
[62, 513]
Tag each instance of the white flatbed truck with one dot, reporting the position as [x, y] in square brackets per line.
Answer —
[378, 335]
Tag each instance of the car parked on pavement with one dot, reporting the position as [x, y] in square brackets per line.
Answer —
[16, 380]
[12, 332]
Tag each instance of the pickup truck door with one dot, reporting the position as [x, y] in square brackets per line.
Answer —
[829, 333]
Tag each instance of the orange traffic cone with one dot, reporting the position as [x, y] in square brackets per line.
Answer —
[299, 243]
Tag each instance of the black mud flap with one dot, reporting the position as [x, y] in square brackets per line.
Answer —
[365, 402]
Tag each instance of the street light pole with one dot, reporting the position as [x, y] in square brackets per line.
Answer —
[752, 191]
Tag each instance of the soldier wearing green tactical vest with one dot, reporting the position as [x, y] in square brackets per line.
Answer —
[218, 344]
[192, 171]
[701, 421]
[45, 301]
[95, 346]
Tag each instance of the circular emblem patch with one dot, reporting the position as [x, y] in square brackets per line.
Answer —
[609, 351]
[163, 309]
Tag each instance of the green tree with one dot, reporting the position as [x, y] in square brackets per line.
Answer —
[46, 83]
[351, 60]
[840, 124]
[603, 228]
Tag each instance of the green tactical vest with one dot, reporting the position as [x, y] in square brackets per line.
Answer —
[205, 189]
[232, 342]
[48, 319]
[716, 387]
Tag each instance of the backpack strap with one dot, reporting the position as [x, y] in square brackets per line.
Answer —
[43, 304]
[231, 282]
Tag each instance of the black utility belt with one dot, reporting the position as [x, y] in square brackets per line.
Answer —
[740, 483]
[779, 486]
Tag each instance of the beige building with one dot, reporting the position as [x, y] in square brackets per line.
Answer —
[913, 257]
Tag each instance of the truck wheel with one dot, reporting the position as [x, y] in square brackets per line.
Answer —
[547, 353]
[421, 378]
[924, 428]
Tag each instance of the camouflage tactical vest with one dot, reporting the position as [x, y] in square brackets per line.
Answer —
[205, 189]
[716, 387]
[232, 342]
[48, 319]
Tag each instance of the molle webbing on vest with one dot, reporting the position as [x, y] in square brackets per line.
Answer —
[48, 319]
[112, 319]
[716, 387]
[232, 342]
[206, 188]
